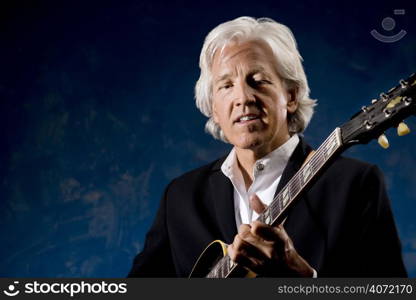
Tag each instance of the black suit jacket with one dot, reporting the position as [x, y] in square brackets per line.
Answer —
[343, 226]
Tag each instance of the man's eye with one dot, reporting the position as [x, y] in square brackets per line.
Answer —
[226, 86]
[259, 82]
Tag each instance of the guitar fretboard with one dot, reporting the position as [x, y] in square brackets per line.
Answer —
[275, 212]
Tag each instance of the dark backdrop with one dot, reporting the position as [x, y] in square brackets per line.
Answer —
[97, 116]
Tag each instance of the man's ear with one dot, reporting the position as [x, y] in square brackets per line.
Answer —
[292, 101]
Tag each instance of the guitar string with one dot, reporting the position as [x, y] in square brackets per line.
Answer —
[295, 181]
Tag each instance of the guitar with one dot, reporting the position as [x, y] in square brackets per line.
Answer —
[389, 110]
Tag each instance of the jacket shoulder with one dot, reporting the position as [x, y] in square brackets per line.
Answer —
[348, 164]
[198, 175]
[345, 170]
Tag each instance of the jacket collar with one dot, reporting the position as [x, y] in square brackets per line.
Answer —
[222, 192]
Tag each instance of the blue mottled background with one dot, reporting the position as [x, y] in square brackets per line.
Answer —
[97, 116]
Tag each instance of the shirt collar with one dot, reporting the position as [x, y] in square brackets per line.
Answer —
[269, 166]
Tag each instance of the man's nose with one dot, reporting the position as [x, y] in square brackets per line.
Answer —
[244, 94]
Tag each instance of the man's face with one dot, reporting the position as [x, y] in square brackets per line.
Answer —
[250, 103]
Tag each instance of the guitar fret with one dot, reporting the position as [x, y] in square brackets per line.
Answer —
[265, 216]
[281, 204]
[268, 216]
[285, 196]
[214, 272]
[261, 218]
[231, 264]
[274, 209]
[227, 266]
[294, 185]
[222, 270]
[276, 206]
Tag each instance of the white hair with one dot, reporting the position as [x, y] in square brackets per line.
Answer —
[288, 66]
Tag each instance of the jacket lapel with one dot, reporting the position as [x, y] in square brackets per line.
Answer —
[222, 193]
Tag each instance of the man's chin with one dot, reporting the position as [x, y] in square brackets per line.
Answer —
[249, 144]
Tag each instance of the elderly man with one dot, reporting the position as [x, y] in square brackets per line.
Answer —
[254, 91]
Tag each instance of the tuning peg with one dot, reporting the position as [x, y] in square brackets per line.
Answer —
[402, 129]
[403, 83]
[384, 97]
[383, 141]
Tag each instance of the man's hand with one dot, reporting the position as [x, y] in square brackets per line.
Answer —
[267, 250]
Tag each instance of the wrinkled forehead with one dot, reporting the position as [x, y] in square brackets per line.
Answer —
[250, 55]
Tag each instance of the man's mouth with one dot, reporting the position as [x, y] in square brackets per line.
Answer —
[247, 118]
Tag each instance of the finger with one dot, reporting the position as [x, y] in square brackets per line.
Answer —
[249, 263]
[246, 240]
[269, 233]
[246, 254]
[283, 242]
[245, 233]
[250, 245]
[256, 204]
[243, 228]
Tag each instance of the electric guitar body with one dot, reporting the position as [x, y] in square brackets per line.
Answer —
[212, 254]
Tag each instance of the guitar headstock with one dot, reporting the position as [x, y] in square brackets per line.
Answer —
[389, 110]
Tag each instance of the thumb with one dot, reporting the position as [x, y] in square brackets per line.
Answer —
[256, 204]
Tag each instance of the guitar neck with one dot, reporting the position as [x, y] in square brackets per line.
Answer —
[297, 185]
[278, 208]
